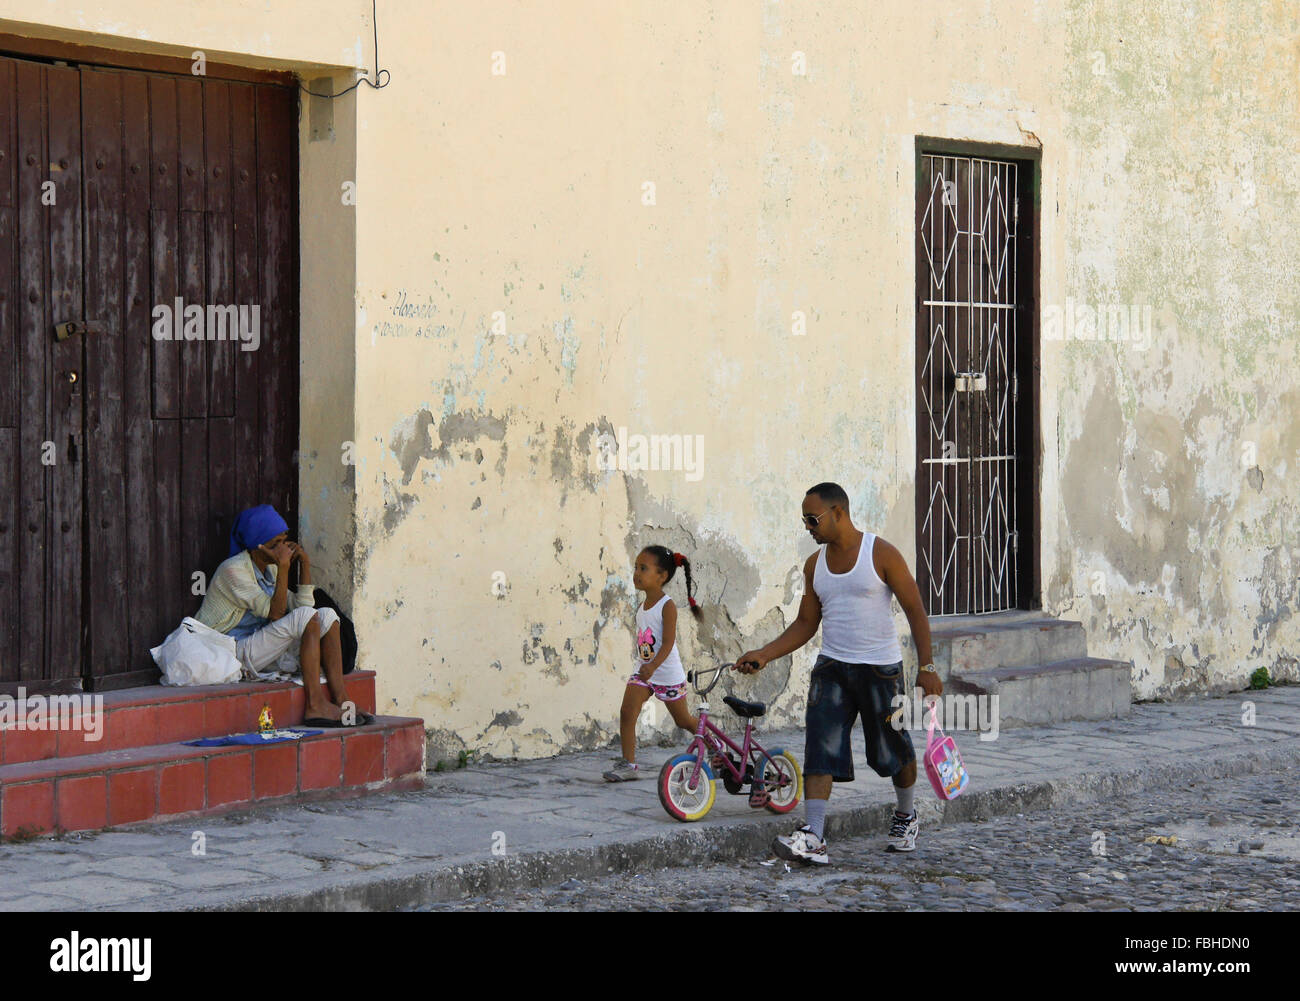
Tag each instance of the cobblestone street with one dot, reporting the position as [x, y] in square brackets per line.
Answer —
[1236, 847]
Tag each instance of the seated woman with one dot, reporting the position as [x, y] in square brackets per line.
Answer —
[249, 600]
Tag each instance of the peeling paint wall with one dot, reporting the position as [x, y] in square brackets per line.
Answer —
[512, 300]
[1172, 535]
[538, 305]
[556, 307]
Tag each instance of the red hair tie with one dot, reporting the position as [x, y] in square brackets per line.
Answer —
[693, 603]
[679, 559]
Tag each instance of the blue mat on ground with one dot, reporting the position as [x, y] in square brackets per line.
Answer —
[270, 737]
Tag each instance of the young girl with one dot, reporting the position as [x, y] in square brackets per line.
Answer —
[661, 673]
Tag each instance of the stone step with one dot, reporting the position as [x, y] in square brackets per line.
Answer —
[170, 780]
[1009, 639]
[1081, 688]
[155, 714]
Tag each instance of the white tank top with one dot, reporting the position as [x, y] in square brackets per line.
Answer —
[649, 641]
[857, 627]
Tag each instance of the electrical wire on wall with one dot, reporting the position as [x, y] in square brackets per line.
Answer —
[376, 84]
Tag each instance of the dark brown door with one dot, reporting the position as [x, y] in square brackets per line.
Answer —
[125, 456]
[976, 500]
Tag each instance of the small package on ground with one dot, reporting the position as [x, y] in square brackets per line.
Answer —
[194, 654]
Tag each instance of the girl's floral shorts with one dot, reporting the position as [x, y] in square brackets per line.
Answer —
[664, 693]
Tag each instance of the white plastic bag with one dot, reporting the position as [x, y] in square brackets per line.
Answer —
[195, 654]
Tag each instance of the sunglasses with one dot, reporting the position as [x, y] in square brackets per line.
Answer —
[813, 520]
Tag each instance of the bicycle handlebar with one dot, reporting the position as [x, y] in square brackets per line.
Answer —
[694, 678]
[716, 672]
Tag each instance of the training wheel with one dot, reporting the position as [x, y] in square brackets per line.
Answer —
[782, 780]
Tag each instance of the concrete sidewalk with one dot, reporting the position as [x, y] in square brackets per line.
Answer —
[556, 818]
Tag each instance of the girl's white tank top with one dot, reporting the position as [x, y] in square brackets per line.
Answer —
[857, 627]
[649, 641]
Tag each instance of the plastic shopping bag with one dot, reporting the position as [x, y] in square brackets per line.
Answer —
[943, 762]
[195, 654]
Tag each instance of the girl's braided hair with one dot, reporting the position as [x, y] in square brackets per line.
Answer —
[668, 562]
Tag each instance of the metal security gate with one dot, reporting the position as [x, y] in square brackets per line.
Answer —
[976, 390]
[123, 456]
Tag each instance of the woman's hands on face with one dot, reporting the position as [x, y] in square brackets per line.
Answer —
[300, 555]
[282, 553]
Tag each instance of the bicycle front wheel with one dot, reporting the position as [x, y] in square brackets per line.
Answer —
[683, 802]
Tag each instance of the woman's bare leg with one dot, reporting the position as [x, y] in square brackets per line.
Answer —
[318, 706]
[331, 651]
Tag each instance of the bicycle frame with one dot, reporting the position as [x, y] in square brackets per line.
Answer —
[707, 727]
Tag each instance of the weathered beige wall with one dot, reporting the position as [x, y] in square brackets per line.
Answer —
[1173, 471]
[774, 192]
[492, 556]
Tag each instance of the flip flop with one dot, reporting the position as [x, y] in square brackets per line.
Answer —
[363, 719]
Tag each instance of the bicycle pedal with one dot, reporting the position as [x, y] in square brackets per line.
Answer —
[760, 799]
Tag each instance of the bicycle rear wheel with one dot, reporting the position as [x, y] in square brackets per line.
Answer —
[782, 779]
[675, 793]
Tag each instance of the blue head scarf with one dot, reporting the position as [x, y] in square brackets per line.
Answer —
[255, 526]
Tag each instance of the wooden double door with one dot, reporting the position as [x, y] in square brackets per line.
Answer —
[124, 455]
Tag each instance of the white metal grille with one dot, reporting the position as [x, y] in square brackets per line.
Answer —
[968, 384]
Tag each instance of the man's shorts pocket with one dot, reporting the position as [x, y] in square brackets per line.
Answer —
[816, 683]
[887, 672]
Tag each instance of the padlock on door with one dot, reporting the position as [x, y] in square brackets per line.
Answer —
[71, 328]
[970, 382]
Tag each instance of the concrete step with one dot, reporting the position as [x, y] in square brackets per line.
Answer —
[168, 780]
[155, 714]
[1080, 688]
[1012, 639]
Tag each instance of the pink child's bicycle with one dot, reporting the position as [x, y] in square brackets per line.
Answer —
[687, 783]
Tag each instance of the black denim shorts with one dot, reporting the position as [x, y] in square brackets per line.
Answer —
[837, 694]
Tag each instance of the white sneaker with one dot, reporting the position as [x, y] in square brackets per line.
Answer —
[624, 771]
[801, 846]
[903, 832]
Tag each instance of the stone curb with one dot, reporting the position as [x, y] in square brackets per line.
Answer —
[744, 839]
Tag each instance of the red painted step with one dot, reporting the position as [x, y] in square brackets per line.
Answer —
[159, 714]
[168, 780]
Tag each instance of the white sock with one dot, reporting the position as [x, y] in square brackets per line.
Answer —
[905, 798]
[815, 811]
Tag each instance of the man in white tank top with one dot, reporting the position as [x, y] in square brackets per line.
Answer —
[848, 584]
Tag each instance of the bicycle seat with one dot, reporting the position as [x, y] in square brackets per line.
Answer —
[746, 709]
